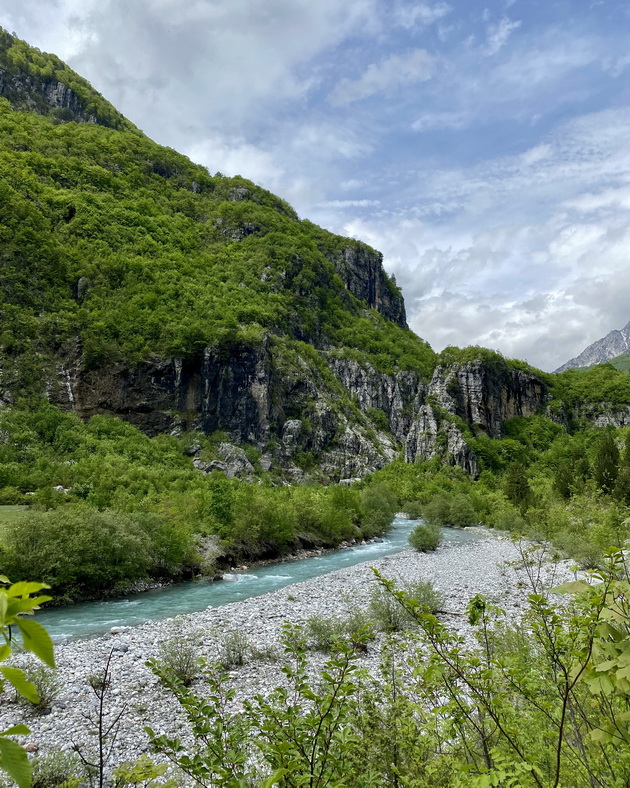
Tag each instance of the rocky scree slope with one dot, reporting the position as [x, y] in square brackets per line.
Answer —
[135, 283]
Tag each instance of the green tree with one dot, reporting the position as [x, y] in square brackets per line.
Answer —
[606, 462]
[516, 486]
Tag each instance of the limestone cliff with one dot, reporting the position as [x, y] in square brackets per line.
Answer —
[361, 269]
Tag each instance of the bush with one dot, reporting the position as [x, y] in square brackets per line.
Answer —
[56, 769]
[510, 520]
[390, 616]
[379, 506]
[462, 512]
[233, 650]
[355, 629]
[456, 510]
[413, 509]
[437, 511]
[424, 538]
[77, 549]
[324, 633]
[46, 683]
[178, 657]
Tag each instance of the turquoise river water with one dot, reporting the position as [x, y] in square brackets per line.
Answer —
[95, 618]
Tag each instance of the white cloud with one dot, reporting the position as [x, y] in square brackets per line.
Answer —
[498, 34]
[420, 14]
[430, 121]
[349, 203]
[391, 72]
[616, 65]
[236, 157]
[213, 64]
[533, 259]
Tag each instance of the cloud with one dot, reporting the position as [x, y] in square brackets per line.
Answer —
[419, 15]
[497, 35]
[430, 121]
[349, 203]
[200, 64]
[510, 230]
[534, 256]
[235, 158]
[616, 65]
[391, 72]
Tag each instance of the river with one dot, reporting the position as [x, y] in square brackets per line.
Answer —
[95, 618]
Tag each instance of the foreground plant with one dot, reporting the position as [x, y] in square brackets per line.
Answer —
[540, 703]
[16, 601]
[544, 703]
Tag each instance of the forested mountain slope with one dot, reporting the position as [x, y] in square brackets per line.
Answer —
[134, 283]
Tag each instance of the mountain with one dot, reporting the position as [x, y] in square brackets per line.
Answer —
[136, 284]
[613, 344]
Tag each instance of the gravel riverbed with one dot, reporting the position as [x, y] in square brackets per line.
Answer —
[459, 571]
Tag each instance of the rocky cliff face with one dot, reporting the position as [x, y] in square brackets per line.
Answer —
[349, 421]
[361, 269]
[43, 95]
[293, 412]
[486, 395]
[42, 83]
[613, 344]
[479, 396]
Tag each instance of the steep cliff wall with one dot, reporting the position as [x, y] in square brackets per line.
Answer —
[361, 269]
[478, 396]
[485, 395]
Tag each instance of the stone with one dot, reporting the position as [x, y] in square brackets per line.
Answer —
[235, 460]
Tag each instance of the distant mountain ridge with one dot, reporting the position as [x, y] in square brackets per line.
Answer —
[612, 345]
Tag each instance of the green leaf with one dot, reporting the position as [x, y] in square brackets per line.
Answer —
[4, 579]
[572, 587]
[16, 730]
[26, 589]
[14, 761]
[25, 688]
[37, 640]
[275, 778]
[5, 652]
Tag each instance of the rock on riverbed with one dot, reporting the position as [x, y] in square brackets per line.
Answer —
[459, 571]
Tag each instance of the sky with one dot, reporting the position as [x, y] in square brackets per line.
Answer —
[482, 147]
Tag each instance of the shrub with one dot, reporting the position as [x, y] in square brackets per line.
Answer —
[46, 683]
[424, 593]
[390, 616]
[178, 657]
[233, 650]
[379, 506]
[510, 520]
[424, 538]
[437, 511]
[77, 549]
[462, 512]
[56, 769]
[413, 509]
[325, 634]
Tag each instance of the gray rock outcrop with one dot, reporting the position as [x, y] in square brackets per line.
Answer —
[361, 269]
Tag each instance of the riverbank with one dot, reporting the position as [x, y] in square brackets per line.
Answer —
[459, 571]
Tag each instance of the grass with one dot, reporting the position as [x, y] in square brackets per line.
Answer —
[8, 514]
